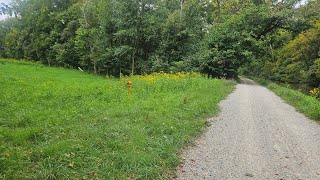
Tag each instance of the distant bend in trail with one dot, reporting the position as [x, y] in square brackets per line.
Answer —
[256, 136]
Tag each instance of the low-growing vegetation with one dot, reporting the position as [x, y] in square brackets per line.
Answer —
[309, 105]
[66, 124]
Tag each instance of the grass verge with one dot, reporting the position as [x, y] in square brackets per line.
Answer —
[308, 105]
[66, 124]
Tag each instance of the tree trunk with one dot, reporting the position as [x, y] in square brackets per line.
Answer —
[95, 67]
[219, 10]
[181, 9]
[84, 13]
[272, 54]
[133, 61]
[93, 59]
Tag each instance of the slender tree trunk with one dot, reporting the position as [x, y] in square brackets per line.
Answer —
[273, 59]
[93, 59]
[181, 9]
[95, 67]
[219, 10]
[84, 13]
[133, 61]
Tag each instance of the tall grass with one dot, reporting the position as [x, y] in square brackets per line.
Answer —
[308, 105]
[66, 124]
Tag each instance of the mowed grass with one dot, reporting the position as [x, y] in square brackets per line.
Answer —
[308, 105]
[66, 124]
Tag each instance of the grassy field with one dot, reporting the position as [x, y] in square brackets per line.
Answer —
[308, 105]
[66, 124]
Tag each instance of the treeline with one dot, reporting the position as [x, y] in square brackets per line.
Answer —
[106, 36]
[268, 38]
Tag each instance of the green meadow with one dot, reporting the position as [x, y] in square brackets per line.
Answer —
[67, 124]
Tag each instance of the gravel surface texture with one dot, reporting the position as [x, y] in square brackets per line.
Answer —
[256, 136]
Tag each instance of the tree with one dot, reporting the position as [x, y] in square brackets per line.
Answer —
[298, 58]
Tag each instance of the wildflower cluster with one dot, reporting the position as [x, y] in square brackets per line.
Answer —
[162, 75]
[315, 93]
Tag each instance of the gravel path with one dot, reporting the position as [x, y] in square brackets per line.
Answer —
[256, 136]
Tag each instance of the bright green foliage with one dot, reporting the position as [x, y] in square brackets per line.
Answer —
[66, 124]
[298, 58]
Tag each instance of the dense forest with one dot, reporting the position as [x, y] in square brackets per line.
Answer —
[276, 40]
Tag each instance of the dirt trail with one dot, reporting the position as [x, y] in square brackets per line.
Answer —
[256, 136]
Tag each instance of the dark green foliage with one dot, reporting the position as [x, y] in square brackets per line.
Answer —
[236, 41]
[292, 49]
[225, 50]
[105, 36]
[126, 37]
